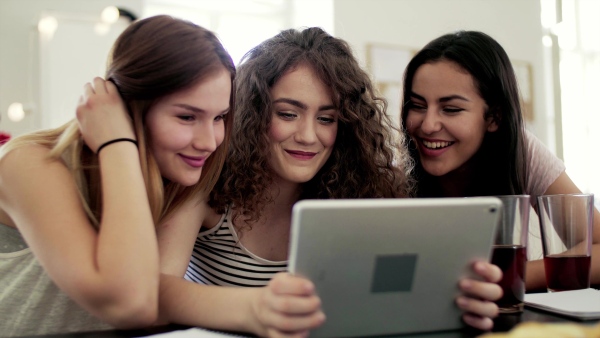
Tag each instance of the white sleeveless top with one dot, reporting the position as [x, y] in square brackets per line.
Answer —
[30, 303]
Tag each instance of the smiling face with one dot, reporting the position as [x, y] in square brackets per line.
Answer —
[303, 127]
[186, 127]
[446, 117]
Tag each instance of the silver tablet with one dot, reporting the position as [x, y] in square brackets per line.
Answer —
[387, 266]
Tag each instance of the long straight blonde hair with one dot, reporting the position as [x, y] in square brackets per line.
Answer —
[151, 59]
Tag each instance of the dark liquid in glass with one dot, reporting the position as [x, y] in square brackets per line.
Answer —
[567, 272]
[511, 260]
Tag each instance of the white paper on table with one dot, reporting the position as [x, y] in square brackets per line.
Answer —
[194, 332]
[581, 304]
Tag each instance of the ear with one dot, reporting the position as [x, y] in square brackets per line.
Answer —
[492, 125]
[493, 120]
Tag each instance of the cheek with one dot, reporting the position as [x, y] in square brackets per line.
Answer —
[412, 123]
[328, 136]
[219, 134]
[167, 136]
[277, 131]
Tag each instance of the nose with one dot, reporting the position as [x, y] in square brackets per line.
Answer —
[206, 138]
[306, 132]
[431, 121]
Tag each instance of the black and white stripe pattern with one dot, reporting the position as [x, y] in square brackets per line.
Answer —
[220, 259]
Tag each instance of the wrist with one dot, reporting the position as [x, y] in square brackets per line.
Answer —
[114, 141]
[252, 323]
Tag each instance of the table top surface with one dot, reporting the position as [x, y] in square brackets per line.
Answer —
[503, 323]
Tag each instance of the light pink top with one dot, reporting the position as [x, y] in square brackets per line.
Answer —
[543, 167]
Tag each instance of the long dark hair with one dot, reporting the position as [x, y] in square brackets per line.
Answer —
[500, 162]
[365, 161]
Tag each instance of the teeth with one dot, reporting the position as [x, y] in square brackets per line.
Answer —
[436, 145]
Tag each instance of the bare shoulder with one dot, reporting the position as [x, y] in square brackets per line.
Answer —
[206, 216]
[210, 217]
[28, 162]
[190, 212]
[30, 181]
[26, 158]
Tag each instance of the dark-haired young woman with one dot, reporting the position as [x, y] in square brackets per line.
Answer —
[462, 114]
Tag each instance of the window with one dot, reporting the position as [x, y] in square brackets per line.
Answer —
[579, 48]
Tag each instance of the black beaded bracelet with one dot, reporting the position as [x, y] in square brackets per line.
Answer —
[115, 141]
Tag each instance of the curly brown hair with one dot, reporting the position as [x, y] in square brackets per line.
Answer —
[369, 159]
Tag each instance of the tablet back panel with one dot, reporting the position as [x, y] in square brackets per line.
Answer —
[386, 266]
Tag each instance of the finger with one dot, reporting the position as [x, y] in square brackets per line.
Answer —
[481, 323]
[111, 88]
[99, 85]
[489, 272]
[273, 333]
[477, 307]
[88, 91]
[290, 324]
[478, 289]
[284, 283]
[294, 305]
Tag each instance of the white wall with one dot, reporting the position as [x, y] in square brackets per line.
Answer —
[515, 24]
[408, 23]
[313, 13]
[19, 52]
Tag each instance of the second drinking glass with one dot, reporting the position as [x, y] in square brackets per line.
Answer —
[510, 251]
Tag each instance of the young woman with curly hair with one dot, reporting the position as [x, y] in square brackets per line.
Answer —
[79, 203]
[308, 125]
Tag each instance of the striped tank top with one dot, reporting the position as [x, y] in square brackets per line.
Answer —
[220, 259]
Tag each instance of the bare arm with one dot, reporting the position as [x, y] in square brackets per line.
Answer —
[288, 304]
[535, 274]
[111, 271]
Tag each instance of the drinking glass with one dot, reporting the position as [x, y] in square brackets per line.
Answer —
[510, 251]
[566, 225]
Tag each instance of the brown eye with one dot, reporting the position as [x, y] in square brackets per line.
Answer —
[453, 110]
[186, 117]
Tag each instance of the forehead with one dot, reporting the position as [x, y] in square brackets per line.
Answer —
[443, 78]
[303, 80]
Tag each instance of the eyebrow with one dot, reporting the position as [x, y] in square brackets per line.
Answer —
[302, 105]
[196, 109]
[443, 99]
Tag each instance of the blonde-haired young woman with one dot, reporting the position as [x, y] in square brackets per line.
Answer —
[79, 204]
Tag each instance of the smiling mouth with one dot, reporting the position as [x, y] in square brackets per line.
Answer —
[437, 144]
[301, 154]
[194, 161]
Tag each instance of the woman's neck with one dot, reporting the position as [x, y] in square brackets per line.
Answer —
[284, 194]
[455, 183]
[269, 236]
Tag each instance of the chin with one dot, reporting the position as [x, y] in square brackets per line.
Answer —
[435, 171]
[300, 179]
[185, 181]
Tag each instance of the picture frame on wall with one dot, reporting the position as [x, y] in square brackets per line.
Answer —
[524, 74]
[387, 63]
